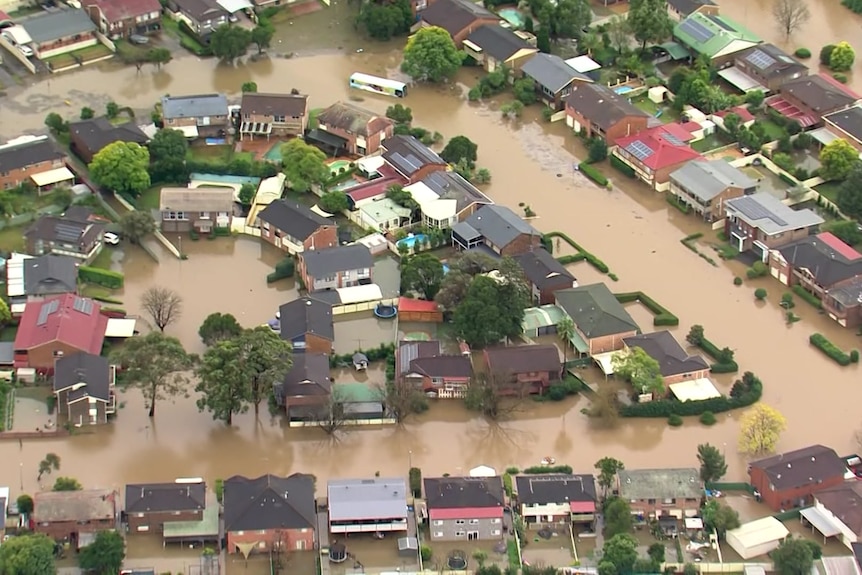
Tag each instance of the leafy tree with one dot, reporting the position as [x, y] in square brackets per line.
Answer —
[826, 54]
[87, 113]
[755, 98]
[248, 88]
[155, 363]
[493, 395]
[219, 327]
[461, 147]
[619, 32]
[849, 198]
[790, 15]
[402, 197]
[846, 230]
[793, 557]
[246, 194]
[608, 468]
[490, 312]
[222, 382]
[712, 464]
[168, 144]
[50, 463]
[566, 331]
[618, 517]
[453, 290]
[383, 20]
[5, 313]
[164, 306]
[431, 55]
[31, 554]
[646, 565]
[482, 176]
[112, 110]
[524, 90]
[622, 551]
[56, 123]
[638, 368]
[842, 57]
[104, 555]
[136, 225]
[158, 57]
[304, 165]
[399, 114]
[760, 429]
[649, 21]
[122, 166]
[607, 568]
[837, 158]
[570, 18]
[67, 484]
[422, 273]
[543, 40]
[266, 358]
[656, 552]
[261, 36]
[597, 150]
[25, 504]
[695, 335]
[229, 42]
[720, 517]
[334, 201]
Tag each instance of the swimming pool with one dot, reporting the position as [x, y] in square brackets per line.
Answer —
[274, 153]
[411, 241]
[336, 166]
[513, 16]
[623, 89]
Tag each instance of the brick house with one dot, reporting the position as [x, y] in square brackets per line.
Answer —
[841, 506]
[704, 185]
[675, 364]
[847, 125]
[807, 99]
[713, 37]
[149, 506]
[553, 499]
[790, 479]
[554, 79]
[338, 267]
[270, 512]
[273, 115]
[35, 278]
[199, 115]
[843, 302]
[121, 18]
[23, 158]
[465, 508]
[655, 493]
[769, 66]
[362, 131]
[65, 235]
[500, 230]
[66, 515]
[412, 159]
[655, 153]
[84, 387]
[422, 365]
[761, 222]
[601, 322]
[202, 16]
[817, 263]
[524, 369]
[294, 227]
[459, 18]
[59, 32]
[681, 9]
[89, 137]
[545, 275]
[496, 47]
[307, 324]
[306, 386]
[602, 113]
[183, 210]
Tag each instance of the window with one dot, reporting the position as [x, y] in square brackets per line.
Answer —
[438, 534]
[495, 521]
[204, 215]
[459, 522]
[178, 512]
[460, 534]
[304, 530]
[474, 522]
[651, 501]
[436, 380]
[495, 532]
[139, 514]
[668, 501]
[438, 523]
[279, 118]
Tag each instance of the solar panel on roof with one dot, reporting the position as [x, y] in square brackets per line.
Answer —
[672, 140]
[760, 59]
[755, 211]
[67, 233]
[696, 30]
[639, 150]
[47, 309]
[82, 305]
[718, 20]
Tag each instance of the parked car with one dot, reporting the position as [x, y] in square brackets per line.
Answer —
[138, 39]
[233, 18]
[111, 238]
[26, 50]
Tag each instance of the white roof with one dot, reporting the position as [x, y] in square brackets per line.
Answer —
[421, 193]
[821, 521]
[693, 523]
[120, 327]
[440, 209]
[605, 361]
[320, 211]
[270, 189]
[15, 275]
[52, 176]
[188, 131]
[370, 164]
[823, 135]
[759, 532]
[19, 34]
[583, 64]
[845, 565]
[694, 389]
[741, 80]
[17, 308]
[360, 294]
[232, 6]
[483, 471]
[372, 240]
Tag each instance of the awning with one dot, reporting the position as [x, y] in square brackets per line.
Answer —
[370, 164]
[54, 176]
[582, 506]
[693, 523]
[605, 362]
[694, 390]
[256, 128]
[472, 46]
[745, 83]
[675, 51]
[188, 131]
[120, 327]
[823, 135]
[821, 522]
[326, 138]
[232, 6]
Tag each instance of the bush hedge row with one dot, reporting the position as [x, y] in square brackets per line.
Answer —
[745, 392]
[593, 173]
[714, 352]
[807, 296]
[623, 167]
[572, 258]
[591, 259]
[382, 352]
[661, 315]
[98, 276]
[837, 355]
[283, 269]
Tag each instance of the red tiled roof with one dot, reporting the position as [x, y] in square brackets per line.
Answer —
[68, 323]
[664, 152]
[689, 127]
[420, 305]
[466, 513]
[4, 17]
[741, 111]
[839, 246]
[681, 131]
[582, 506]
[373, 188]
[117, 10]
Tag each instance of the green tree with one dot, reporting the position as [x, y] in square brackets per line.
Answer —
[5, 313]
[570, 18]
[837, 158]
[49, 464]
[122, 166]
[695, 335]
[261, 36]
[168, 144]
[607, 568]
[156, 364]
[246, 194]
[608, 469]
[87, 113]
[56, 123]
[104, 556]
[28, 555]
[619, 32]
[543, 40]
[431, 55]
[847, 231]
[649, 21]
[760, 429]
[524, 90]
[399, 114]
[136, 225]
[25, 504]
[638, 368]
[218, 327]
[422, 273]
[755, 98]
[618, 517]
[793, 557]
[248, 88]
[266, 358]
[334, 202]
[622, 551]
[229, 42]
[712, 463]
[383, 20]
[222, 382]
[842, 57]
[158, 57]
[491, 311]
[112, 110]
[656, 552]
[849, 198]
[597, 150]
[720, 517]
[67, 484]
[458, 148]
[304, 165]
[566, 331]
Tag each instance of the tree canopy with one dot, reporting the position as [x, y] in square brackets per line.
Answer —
[67, 484]
[720, 517]
[104, 555]
[229, 42]
[570, 17]
[793, 557]
[712, 463]
[122, 166]
[168, 144]
[218, 327]
[842, 57]
[31, 554]
[491, 310]
[790, 15]
[622, 551]
[136, 225]
[618, 517]
[304, 165]
[422, 273]
[261, 36]
[641, 370]
[608, 468]
[649, 21]
[461, 148]
[760, 429]
[431, 55]
[850, 192]
[837, 159]
[383, 20]
[334, 202]
[223, 382]
[266, 359]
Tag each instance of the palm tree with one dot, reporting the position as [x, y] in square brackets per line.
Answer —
[566, 331]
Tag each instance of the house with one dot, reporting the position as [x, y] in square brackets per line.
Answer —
[704, 186]
[201, 16]
[843, 302]
[446, 198]
[382, 214]
[294, 227]
[60, 32]
[32, 279]
[656, 493]
[377, 505]
[497, 47]
[338, 267]
[84, 387]
[32, 159]
[57, 327]
[764, 67]
[817, 263]
[809, 98]
[656, 153]
[273, 115]
[847, 125]
[601, 322]
[761, 222]
[270, 512]
[306, 386]
[65, 235]
[460, 18]
[599, 112]
[465, 508]
[88, 137]
[838, 512]
[500, 230]
[419, 310]
[121, 18]
[357, 131]
[201, 115]
[523, 369]
[674, 363]
[422, 365]
[554, 79]
[412, 159]
[149, 506]
[545, 275]
[790, 479]
[714, 37]
[681, 9]
[73, 515]
[307, 324]
[556, 498]
[201, 209]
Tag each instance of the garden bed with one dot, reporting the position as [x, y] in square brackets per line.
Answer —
[832, 351]
[745, 392]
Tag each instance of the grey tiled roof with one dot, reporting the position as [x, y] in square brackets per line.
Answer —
[324, 263]
[52, 26]
[683, 483]
[706, 179]
[497, 224]
[194, 106]
[769, 214]
[552, 72]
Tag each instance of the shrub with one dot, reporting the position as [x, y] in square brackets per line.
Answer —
[542, 469]
[219, 490]
[724, 362]
[674, 420]
[826, 54]
[757, 270]
[426, 552]
[807, 296]
[684, 208]
[707, 418]
[571, 259]
[830, 349]
[854, 356]
[840, 77]
[787, 300]
[737, 281]
[98, 276]
[283, 269]
[760, 294]
[593, 174]
[787, 179]
[661, 316]
[415, 480]
[802, 53]
[622, 167]
[591, 259]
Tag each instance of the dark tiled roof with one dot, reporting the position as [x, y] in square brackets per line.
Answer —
[845, 503]
[294, 218]
[408, 351]
[688, 7]
[542, 270]
[408, 155]
[455, 15]
[195, 106]
[498, 42]
[552, 72]
[64, 230]
[595, 311]
[555, 488]
[97, 133]
[601, 105]
[160, 497]
[309, 375]
[523, 359]
[306, 315]
[324, 263]
[671, 357]
[463, 492]
[849, 120]
[290, 105]
[823, 95]
[827, 265]
[451, 186]
[499, 225]
[90, 370]
[28, 154]
[353, 119]
[809, 465]
[50, 274]
[269, 502]
[771, 61]
[443, 366]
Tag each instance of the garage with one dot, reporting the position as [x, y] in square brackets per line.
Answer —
[757, 538]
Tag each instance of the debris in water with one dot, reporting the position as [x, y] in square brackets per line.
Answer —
[359, 50]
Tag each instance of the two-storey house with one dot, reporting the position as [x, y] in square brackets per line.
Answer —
[32, 159]
[84, 388]
[553, 499]
[121, 18]
[195, 209]
[307, 324]
[656, 153]
[817, 263]
[846, 124]
[704, 186]
[89, 137]
[837, 512]
[150, 506]
[70, 515]
[459, 18]
[338, 267]
[500, 230]
[201, 16]
[523, 370]
[545, 275]
[306, 389]
[554, 79]
[294, 227]
[412, 159]
[791, 479]
[601, 322]
[765, 67]
[273, 115]
[465, 508]
[807, 99]
[656, 493]
[35, 278]
[65, 235]
[422, 365]
[761, 222]
[201, 115]
[344, 128]
[599, 112]
[446, 198]
[843, 302]
[497, 47]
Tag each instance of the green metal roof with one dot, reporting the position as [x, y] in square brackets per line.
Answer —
[710, 35]
[539, 317]
[595, 311]
[357, 393]
[208, 526]
[675, 50]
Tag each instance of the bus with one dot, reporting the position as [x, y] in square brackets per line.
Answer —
[378, 85]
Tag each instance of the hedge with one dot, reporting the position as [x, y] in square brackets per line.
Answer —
[714, 351]
[787, 179]
[415, 478]
[661, 316]
[807, 296]
[593, 173]
[98, 276]
[384, 351]
[837, 355]
[623, 167]
[283, 269]
[745, 392]
[542, 469]
[591, 259]
[571, 258]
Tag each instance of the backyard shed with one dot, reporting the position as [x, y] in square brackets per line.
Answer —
[410, 309]
[757, 538]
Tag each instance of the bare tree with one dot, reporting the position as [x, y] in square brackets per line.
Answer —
[790, 15]
[605, 407]
[164, 305]
[402, 400]
[331, 417]
[496, 396]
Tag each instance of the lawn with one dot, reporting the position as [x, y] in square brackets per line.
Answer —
[149, 199]
[773, 130]
[12, 239]
[829, 190]
[217, 155]
[103, 260]
[187, 41]
[668, 114]
[61, 61]
[715, 140]
[92, 52]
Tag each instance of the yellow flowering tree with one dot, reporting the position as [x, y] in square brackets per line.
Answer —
[760, 429]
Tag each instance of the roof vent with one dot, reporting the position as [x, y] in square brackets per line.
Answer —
[789, 466]
[813, 458]
[308, 302]
[778, 476]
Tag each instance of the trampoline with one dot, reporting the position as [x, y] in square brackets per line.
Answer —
[337, 553]
[457, 560]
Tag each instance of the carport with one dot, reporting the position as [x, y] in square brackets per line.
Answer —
[694, 390]
[824, 136]
[741, 81]
[51, 177]
[231, 6]
[822, 522]
[605, 362]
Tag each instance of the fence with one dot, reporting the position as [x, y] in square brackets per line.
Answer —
[730, 486]
[363, 306]
[719, 567]
[788, 515]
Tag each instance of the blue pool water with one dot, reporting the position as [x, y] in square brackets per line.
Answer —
[445, 269]
[513, 16]
[623, 89]
[411, 241]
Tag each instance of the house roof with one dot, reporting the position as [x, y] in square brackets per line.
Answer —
[64, 230]
[408, 155]
[406, 304]
[595, 311]
[713, 35]
[809, 465]
[682, 483]
[849, 294]
[452, 186]
[117, 10]
[825, 256]
[51, 26]
[22, 153]
[293, 217]
[523, 358]
[97, 133]
[161, 497]
[69, 319]
[197, 106]
[499, 225]
[376, 498]
[309, 375]
[269, 502]
[820, 93]
[543, 270]
[767, 213]
[555, 488]
[671, 357]
[741, 111]
[771, 61]
[705, 179]
[686, 7]
[323, 263]
[849, 121]
[498, 42]
[552, 72]
[844, 501]
[601, 105]
[201, 199]
[50, 274]
[353, 119]
[306, 315]
[455, 15]
[452, 366]
[83, 505]
[410, 350]
[464, 492]
[200, 10]
[290, 105]
[659, 147]
[83, 375]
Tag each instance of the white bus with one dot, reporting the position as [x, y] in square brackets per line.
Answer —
[378, 85]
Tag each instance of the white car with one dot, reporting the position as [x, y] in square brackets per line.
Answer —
[111, 238]
[26, 50]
